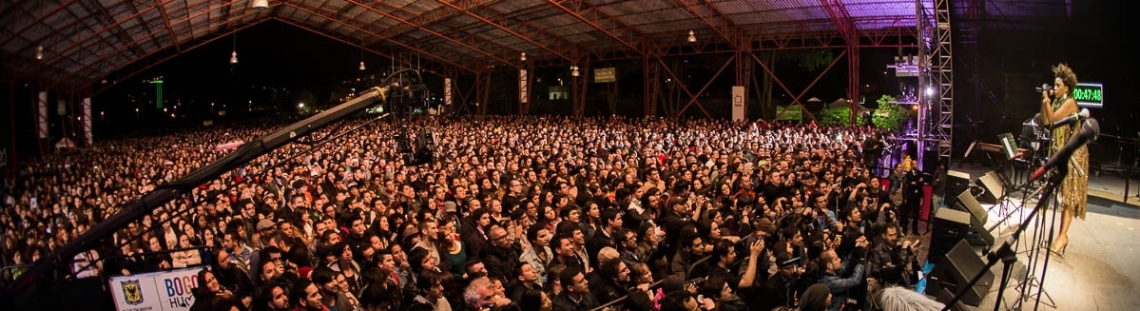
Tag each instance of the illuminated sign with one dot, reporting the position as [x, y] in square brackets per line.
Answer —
[1089, 95]
[605, 75]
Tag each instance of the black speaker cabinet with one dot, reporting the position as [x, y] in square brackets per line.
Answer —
[978, 235]
[967, 203]
[949, 227]
[959, 267]
[957, 181]
[994, 188]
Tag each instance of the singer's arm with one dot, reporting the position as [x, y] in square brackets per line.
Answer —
[1048, 115]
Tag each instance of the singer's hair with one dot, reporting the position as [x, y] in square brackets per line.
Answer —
[1066, 74]
[901, 299]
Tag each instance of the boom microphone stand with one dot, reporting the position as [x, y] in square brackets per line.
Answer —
[1088, 131]
[1005, 253]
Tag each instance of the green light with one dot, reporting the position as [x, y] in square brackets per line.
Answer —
[1089, 95]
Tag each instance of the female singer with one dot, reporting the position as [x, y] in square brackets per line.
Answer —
[1074, 189]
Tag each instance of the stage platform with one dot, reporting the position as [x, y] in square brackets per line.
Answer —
[1099, 271]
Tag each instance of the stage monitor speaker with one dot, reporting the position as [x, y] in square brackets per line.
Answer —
[967, 203]
[949, 227]
[944, 296]
[957, 181]
[959, 267]
[994, 188]
[978, 235]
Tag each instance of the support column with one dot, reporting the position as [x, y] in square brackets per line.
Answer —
[12, 156]
[743, 82]
[651, 77]
[853, 81]
[484, 92]
[579, 83]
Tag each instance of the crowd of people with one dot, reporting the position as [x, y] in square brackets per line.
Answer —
[514, 213]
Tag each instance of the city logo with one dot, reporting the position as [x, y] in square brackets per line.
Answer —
[132, 292]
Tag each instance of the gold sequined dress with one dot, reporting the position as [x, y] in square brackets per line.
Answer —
[1075, 188]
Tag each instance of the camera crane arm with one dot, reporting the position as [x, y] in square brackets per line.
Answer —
[169, 191]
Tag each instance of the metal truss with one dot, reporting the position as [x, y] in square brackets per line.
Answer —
[936, 81]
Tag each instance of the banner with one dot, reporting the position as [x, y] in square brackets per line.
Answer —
[88, 137]
[159, 291]
[605, 75]
[737, 103]
[789, 113]
[42, 116]
[447, 91]
[524, 92]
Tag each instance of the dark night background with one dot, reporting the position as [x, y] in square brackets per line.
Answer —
[281, 65]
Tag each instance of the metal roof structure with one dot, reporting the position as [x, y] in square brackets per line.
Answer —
[77, 46]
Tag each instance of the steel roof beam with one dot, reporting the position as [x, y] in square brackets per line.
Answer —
[106, 58]
[151, 64]
[134, 42]
[346, 39]
[115, 25]
[499, 17]
[477, 44]
[166, 22]
[524, 28]
[612, 27]
[436, 15]
[302, 8]
[124, 36]
[449, 58]
[720, 24]
[143, 22]
[37, 21]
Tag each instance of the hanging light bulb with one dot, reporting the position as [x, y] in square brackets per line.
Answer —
[522, 56]
[361, 65]
[574, 71]
[39, 52]
[261, 4]
[692, 36]
[233, 57]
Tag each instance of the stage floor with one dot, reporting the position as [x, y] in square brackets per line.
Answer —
[1099, 270]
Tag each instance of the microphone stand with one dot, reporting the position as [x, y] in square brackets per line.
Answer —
[1005, 253]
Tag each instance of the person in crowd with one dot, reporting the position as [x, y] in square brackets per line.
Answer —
[576, 210]
[576, 295]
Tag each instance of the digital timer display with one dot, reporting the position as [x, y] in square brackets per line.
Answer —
[1089, 95]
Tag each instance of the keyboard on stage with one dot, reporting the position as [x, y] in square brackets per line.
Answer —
[996, 148]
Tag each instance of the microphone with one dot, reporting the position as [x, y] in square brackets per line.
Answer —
[1076, 117]
[1088, 132]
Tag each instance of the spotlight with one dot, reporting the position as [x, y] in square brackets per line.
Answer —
[574, 71]
[361, 65]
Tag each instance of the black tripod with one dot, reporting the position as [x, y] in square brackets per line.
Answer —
[1005, 253]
